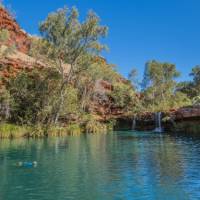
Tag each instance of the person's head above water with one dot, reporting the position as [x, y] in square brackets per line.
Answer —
[35, 163]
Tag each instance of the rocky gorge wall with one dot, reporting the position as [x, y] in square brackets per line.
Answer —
[18, 37]
[184, 120]
[11, 64]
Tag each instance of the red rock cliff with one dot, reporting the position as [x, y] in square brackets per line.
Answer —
[17, 36]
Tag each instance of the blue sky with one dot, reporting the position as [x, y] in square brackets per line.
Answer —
[139, 30]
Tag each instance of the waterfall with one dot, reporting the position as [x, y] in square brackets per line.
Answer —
[158, 116]
[134, 123]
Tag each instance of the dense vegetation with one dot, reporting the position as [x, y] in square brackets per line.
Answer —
[60, 98]
[159, 89]
[63, 93]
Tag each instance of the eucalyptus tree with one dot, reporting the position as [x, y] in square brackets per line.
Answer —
[191, 88]
[132, 77]
[196, 74]
[160, 86]
[71, 45]
[195, 85]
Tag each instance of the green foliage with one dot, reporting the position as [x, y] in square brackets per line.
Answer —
[72, 46]
[187, 87]
[123, 95]
[36, 131]
[5, 104]
[4, 38]
[41, 49]
[72, 100]
[180, 100]
[159, 73]
[32, 94]
[59, 99]
[74, 129]
[70, 38]
[132, 77]
[159, 88]
[4, 35]
[192, 88]
[196, 74]
[26, 98]
[110, 125]
[12, 131]
[89, 82]
[196, 100]
[95, 127]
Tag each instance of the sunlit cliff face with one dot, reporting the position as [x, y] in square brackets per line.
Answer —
[18, 37]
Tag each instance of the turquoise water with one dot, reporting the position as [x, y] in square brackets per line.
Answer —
[118, 166]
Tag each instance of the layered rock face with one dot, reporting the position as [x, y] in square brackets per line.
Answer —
[185, 120]
[186, 113]
[18, 59]
[17, 36]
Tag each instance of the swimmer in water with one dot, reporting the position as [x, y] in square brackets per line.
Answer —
[27, 164]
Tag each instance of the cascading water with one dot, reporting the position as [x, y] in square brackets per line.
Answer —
[158, 116]
[134, 123]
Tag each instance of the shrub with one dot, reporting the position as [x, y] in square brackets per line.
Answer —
[4, 35]
[13, 131]
[94, 126]
[74, 129]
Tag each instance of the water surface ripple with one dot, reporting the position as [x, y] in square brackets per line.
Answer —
[117, 166]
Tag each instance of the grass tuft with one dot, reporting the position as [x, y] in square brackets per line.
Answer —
[95, 127]
[10, 131]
